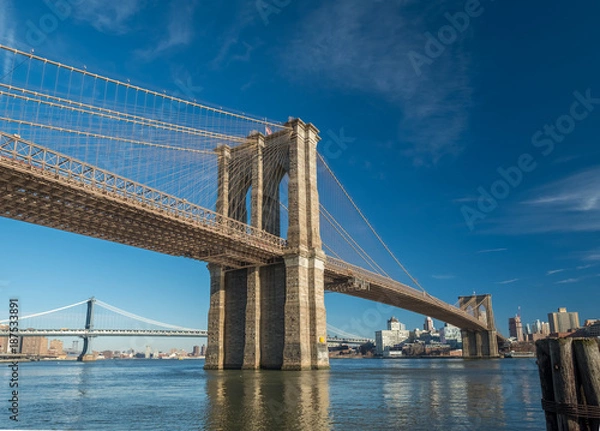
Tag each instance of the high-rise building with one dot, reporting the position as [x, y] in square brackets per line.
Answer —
[203, 350]
[196, 351]
[515, 327]
[545, 328]
[394, 325]
[390, 337]
[428, 325]
[451, 335]
[34, 345]
[563, 321]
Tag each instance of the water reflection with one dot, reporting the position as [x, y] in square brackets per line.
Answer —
[266, 400]
[445, 395]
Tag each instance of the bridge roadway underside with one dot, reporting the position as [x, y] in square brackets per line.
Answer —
[398, 295]
[32, 195]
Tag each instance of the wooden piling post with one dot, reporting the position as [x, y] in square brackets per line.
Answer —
[587, 363]
[569, 370]
[545, 369]
[563, 380]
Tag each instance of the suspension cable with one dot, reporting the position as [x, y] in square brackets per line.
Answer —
[47, 312]
[351, 241]
[369, 224]
[139, 318]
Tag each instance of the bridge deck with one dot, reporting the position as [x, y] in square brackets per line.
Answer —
[339, 276]
[50, 189]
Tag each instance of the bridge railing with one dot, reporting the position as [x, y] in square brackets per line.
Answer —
[51, 162]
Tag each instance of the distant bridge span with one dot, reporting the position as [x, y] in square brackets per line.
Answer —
[191, 333]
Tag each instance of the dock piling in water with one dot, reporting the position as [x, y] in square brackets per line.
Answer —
[569, 371]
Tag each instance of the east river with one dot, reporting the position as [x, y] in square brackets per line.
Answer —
[361, 394]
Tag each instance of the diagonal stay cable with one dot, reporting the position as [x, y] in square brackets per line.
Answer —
[369, 224]
[352, 242]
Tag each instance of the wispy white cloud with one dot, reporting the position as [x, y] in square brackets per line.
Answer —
[554, 271]
[580, 267]
[508, 281]
[444, 277]
[571, 204]
[593, 255]
[465, 199]
[492, 250]
[111, 17]
[179, 32]
[364, 47]
[233, 46]
[568, 281]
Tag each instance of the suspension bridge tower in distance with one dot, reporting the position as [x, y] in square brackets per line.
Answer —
[86, 354]
[271, 315]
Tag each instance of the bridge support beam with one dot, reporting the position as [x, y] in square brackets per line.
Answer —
[271, 316]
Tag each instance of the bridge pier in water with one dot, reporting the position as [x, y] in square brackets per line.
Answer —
[270, 314]
[483, 343]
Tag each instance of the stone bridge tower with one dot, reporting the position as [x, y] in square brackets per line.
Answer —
[479, 344]
[271, 315]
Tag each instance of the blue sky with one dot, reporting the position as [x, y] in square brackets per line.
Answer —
[422, 133]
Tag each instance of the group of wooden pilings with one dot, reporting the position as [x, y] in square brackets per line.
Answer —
[570, 378]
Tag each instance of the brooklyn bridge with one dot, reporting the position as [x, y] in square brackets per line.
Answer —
[101, 157]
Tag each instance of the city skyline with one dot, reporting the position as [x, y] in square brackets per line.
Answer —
[529, 250]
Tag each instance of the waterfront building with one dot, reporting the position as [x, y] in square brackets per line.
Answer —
[594, 330]
[34, 345]
[196, 351]
[515, 328]
[563, 321]
[4, 347]
[451, 335]
[56, 347]
[386, 339]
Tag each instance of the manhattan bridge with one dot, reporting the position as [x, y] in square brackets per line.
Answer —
[251, 197]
